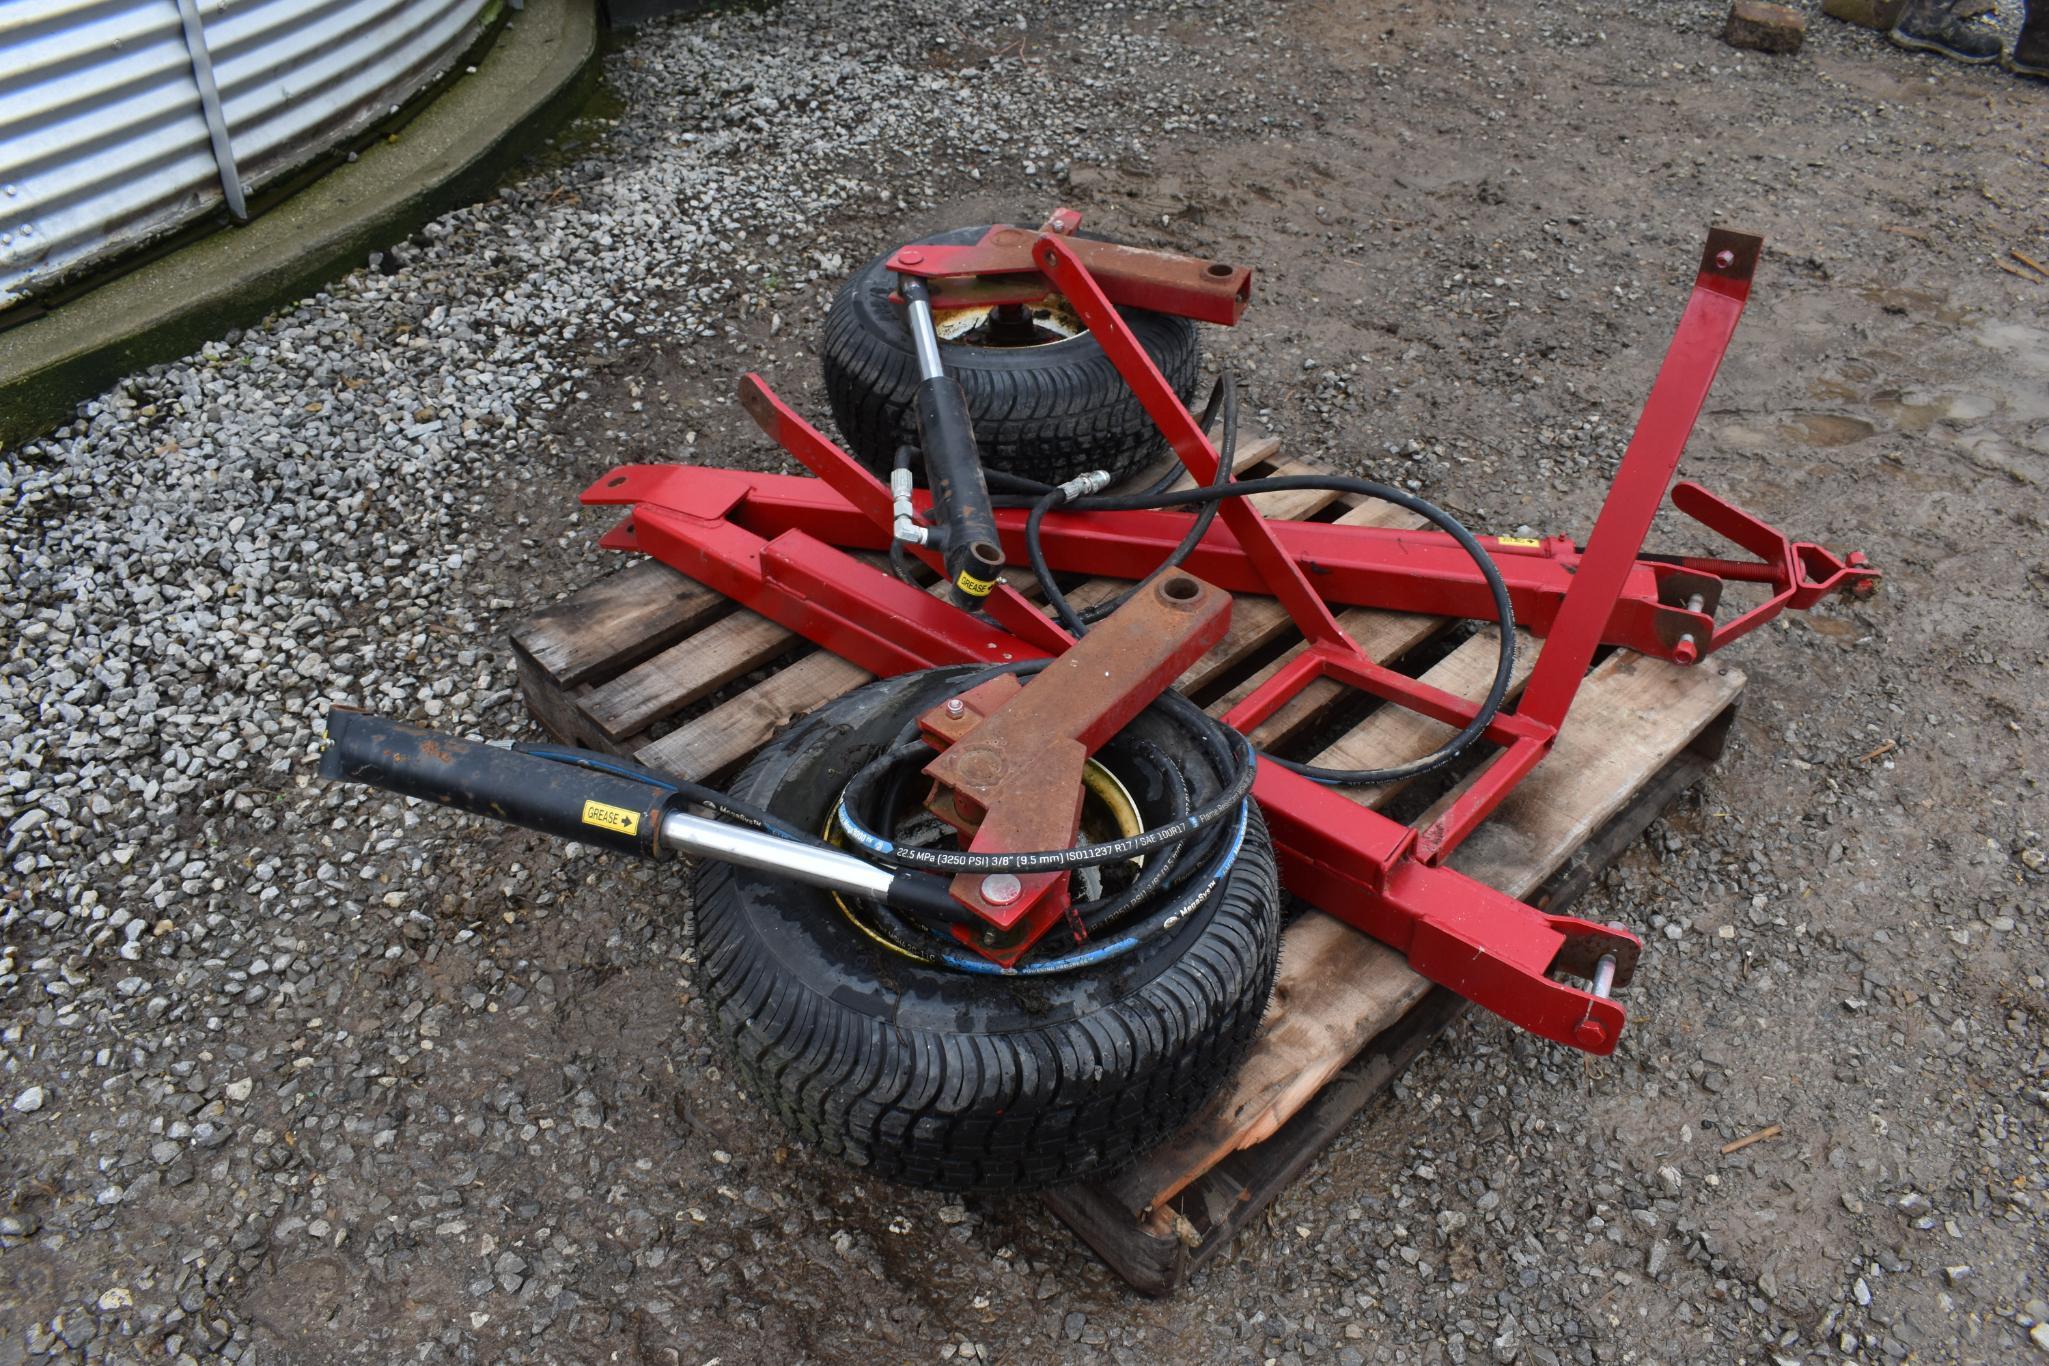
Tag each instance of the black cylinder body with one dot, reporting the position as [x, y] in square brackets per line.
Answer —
[960, 492]
[541, 794]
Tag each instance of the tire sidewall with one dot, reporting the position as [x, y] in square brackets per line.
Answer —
[808, 937]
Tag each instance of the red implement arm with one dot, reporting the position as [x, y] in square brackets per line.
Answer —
[770, 541]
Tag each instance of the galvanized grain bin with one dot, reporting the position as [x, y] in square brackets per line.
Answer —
[124, 120]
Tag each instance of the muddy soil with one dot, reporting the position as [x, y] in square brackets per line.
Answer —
[1474, 225]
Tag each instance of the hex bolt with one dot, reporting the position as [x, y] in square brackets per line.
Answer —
[956, 708]
[1000, 889]
[1725, 258]
[1686, 650]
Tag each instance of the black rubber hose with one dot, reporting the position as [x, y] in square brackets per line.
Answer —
[1077, 623]
[1228, 386]
[1504, 610]
[1241, 768]
[1175, 884]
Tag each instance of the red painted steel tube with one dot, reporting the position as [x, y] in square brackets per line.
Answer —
[1397, 570]
[1719, 293]
[1282, 577]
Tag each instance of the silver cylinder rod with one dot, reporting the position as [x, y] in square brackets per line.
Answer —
[694, 835]
[924, 336]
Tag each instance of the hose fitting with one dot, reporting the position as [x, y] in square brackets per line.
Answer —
[1085, 484]
[906, 527]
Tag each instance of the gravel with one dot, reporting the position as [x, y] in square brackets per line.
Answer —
[307, 1073]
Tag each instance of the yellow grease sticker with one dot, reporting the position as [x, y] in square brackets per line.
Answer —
[972, 586]
[611, 818]
[1529, 541]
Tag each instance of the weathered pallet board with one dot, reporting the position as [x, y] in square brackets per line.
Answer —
[650, 665]
[1348, 1013]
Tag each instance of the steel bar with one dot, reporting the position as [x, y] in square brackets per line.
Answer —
[1281, 575]
[1719, 293]
[1009, 772]
[1001, 269]
[683, 833]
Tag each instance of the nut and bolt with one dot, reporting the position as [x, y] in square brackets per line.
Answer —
[1687, 649]
[1000, 889]
[1725, 258]
[956, 708]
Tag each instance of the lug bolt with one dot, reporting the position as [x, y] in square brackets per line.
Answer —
[1000, 889]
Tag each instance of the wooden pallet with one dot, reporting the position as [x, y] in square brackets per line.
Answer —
[648, 664]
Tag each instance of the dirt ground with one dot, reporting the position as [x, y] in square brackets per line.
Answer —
[1474, 225]
[1475, 222]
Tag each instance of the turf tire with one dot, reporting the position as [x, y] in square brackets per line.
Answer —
[938, 1079]
[1044, 412]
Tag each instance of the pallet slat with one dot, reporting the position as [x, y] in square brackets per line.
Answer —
[737, 727]
[691, 669]
[624, 617]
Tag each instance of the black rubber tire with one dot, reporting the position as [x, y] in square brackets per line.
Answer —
[948, 1081]
[1044, 412]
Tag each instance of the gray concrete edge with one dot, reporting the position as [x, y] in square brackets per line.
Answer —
[541, 69]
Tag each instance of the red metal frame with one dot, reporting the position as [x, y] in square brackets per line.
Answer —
[1010, 773]
[764, 541]
[1001, 269]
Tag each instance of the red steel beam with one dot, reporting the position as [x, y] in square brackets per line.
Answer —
[1001, 269]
